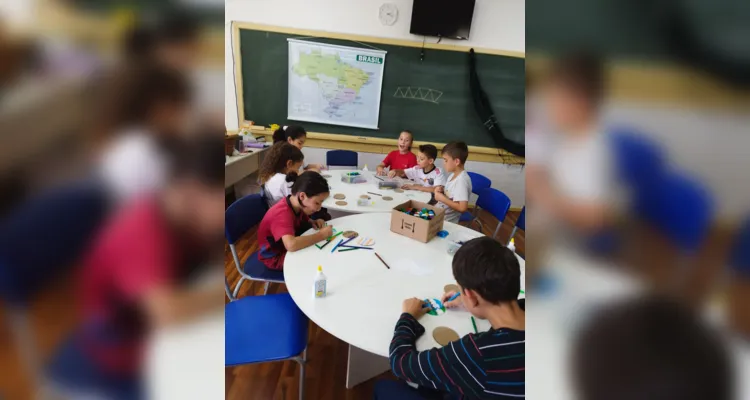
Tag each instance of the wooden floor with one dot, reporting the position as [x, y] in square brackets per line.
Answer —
[327, 355]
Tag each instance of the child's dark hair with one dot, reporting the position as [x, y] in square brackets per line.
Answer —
[294, 131]
[488, 268]
[310, 183]
[173, 28]
[200, 157]
[650, 348]
[457, 150]
[276, 160]
[581, 73]
[143, 89]
[429, 151]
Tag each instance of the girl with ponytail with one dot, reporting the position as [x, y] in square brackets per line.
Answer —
[296, 136]
[279, 171]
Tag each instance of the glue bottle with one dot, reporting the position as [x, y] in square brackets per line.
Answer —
[512, 245]
[320, 284]
[365, 168]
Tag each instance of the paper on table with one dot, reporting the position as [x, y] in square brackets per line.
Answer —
[411, 267]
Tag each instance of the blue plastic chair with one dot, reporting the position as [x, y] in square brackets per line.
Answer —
[520, 224]
[263, 329]
[479, 182]
[41, 242]
[342, 158]
[497, 203]
[681, 209]
[638, 161]
[242, 215]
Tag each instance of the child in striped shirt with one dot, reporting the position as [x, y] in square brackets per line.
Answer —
[487, 365]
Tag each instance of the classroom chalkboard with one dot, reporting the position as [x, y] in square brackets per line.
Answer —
[264, 60]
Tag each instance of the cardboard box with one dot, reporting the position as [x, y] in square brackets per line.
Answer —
[414, 227]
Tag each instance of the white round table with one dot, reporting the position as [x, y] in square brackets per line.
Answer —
[352, 191]
[364, 298]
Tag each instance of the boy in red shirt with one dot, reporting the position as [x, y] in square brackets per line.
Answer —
[402, 158]
[282, 226]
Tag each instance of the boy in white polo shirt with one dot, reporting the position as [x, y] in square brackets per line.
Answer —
[454, 196]
[426, 175]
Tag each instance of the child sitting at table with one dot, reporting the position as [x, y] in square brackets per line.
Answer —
[425, 173]
[402, 158]
[282, 226]
[454, 196]
[483, 365]
[279, 171]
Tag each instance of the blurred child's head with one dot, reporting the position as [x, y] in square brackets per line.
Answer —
[311, 190]
[487, 273]
[405, 140]
[427, 155]
[171, 40]
[574, 92]
[282, 158]
[195, 194]
[294, 135]
[152, 97]
[649, 348]
[454, 156]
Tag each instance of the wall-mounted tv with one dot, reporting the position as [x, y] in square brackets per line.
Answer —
[443, 18]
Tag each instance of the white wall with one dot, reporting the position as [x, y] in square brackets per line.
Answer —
[497, 24]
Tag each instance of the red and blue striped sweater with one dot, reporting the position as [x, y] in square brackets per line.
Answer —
[489, 365]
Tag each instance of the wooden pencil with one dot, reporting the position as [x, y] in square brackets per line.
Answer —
[381, 260]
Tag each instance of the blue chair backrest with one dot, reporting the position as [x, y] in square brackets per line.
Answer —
[342, 158]
[242, 215]
[479, 182]
[681, 209]
[46, 237]
[638, 161]
[739, 256]
[494, 201]
[521, 222]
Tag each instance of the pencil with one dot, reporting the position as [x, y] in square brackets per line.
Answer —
[475, 325]
[350, 249]
[381, 260]
[375, 194]
[337, 245]
[379, 178]
[357, 247]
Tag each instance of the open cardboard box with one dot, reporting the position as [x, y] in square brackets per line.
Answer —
[414, 227]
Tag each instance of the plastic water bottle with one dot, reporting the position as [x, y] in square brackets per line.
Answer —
[512, 245]
[320, 284]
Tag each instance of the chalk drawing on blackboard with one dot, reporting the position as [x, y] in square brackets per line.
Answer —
[418, 93]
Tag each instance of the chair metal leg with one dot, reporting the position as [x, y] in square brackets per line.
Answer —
[512, 233]
[265, 288]
[237, 288]
[302, 361]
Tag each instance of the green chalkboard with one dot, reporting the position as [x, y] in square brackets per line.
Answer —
[452, 117]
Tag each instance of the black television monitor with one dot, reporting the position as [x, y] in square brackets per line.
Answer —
[443, 18]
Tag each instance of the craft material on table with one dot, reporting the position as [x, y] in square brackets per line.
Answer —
[341, 203]
[365, 241]
[444, 335]
[442, 234]
[388, 184]
[329, 239]
[435, 305]
[364, 196]
[381, 260]
[347, 248]
[398, 190]
[319, 288]
[424, 213]
[454, 297]
[387, 198]
[339, 196]
[450, 288]
[350, 234]
[326, 176]
[353, 177]
[375, 194]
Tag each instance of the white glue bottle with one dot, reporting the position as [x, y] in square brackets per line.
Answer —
[365, 168]
[320, 284]
[512, 245]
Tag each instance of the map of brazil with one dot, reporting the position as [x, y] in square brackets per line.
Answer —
[335, 84]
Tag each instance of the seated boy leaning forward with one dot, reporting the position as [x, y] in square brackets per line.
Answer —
[426, 175]
[454, 196]
[488, 365]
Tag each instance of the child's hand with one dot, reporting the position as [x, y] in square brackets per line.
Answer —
[440, 196]
[325, 232]
[438, 189]
[414, 306]
[408, 187]
[380, 171]
[457, 302]
[392, 173]
[318, 223]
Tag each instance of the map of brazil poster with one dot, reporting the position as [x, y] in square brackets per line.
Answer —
[335, 85]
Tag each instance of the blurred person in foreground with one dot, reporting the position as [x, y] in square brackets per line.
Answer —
[650, 348]
[569, 185]
[173, 40]
[136, 274]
